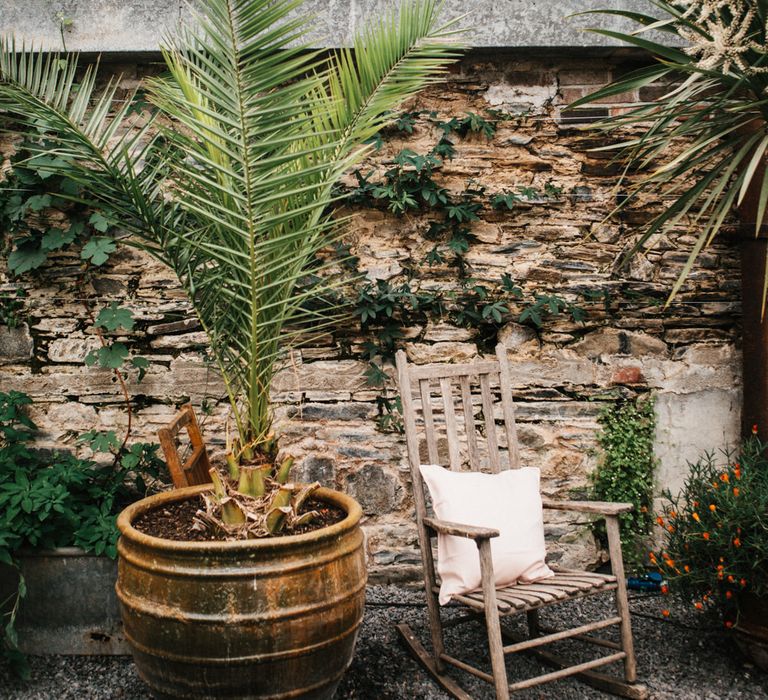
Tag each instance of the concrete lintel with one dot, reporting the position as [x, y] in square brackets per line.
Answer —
[137, 26]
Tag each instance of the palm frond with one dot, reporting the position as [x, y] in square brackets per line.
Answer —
[701, 144]
[233, 187]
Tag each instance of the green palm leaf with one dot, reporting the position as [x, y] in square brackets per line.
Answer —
[702, 143]
[233, 186]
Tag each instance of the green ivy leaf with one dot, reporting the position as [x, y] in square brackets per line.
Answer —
[97, 250]
[113, 317]
[26, 257]
[69, 187]
[56, 238]
[99, 222]
[38, 202]
[142, 364]
[112, 356]
[100, 441]
[45, 166]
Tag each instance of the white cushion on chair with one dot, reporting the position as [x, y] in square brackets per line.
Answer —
[510, 502]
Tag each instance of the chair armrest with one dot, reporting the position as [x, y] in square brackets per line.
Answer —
[459, 530]
[599, 507]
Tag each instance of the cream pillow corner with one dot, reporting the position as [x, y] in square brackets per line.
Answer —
[510, 502]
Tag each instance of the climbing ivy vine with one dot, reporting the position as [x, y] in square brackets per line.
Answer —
[411, 184]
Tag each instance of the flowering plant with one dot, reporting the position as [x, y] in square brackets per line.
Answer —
[715, 544]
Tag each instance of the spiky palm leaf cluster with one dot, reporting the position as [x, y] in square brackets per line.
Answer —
[231, 183]
[701, 144]
[232, 188]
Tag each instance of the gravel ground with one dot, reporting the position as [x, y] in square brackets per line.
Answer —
[685, 657]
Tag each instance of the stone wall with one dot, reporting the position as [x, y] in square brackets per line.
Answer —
[563, 373]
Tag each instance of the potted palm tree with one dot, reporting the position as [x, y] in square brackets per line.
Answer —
[231, 184]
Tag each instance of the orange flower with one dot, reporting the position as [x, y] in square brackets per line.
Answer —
[696, 517]
[724, 477]
[652, 557]
[714, 485]
[743, 582]
[728, 595]
[736, 491]
[660, 521]
[670, 563]
[665, 613]
[736, 542]
[687, 569]
[728, 624]
[706, 536]
[665, 589]
[672, 514]
[698, 605]
[712, 507]
[737, 473]
[754, 429]
[671, 528]
[695, 504]
[731, 579]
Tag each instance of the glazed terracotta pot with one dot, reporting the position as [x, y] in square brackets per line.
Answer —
[275, 617]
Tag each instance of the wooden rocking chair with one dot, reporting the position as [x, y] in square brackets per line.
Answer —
[489, 449]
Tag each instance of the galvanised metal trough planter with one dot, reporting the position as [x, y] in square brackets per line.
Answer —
[70, 606]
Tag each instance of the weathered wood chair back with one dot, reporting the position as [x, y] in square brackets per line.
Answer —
[195, 469]
[460, 416]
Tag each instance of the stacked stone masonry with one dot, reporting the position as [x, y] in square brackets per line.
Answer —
[563, 373]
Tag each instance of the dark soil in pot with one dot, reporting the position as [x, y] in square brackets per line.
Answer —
[176, 521]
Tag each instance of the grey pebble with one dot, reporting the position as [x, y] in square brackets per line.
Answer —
[687, 656]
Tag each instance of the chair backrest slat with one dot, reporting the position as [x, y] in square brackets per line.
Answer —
[452, 434]
[429, 422]
[508, 407]
[469, 422]
[490, 424]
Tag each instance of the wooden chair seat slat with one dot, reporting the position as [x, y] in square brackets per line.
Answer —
[583, 583]
[555, 591]
[583, 574]
[488, 441]
[519, 603]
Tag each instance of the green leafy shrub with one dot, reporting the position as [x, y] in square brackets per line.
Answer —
[626, 468]
[56, 500]
[715, 544]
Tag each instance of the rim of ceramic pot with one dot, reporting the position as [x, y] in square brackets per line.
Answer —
[139, 508]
